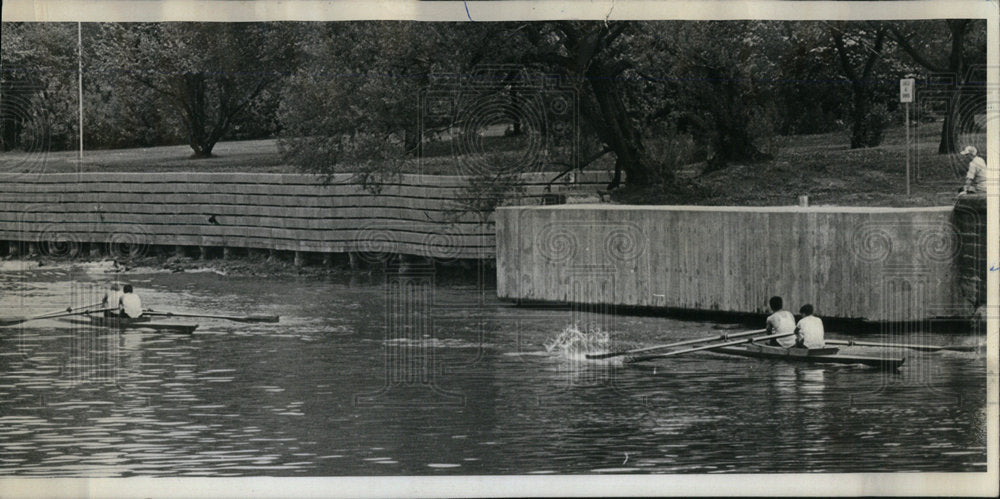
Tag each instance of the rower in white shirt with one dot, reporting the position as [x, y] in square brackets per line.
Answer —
[780, 322]
[809, 330]
[129, 303]
[111, 298]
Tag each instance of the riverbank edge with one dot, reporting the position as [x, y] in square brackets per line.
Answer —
[267, 264]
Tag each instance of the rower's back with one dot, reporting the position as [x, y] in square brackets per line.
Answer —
[809, 330]
[112, 299]
[780, 322]
[130, 303]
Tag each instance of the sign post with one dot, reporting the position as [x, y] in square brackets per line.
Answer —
[906, 97]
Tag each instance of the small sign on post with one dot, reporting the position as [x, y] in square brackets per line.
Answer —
[906, 97]
[906, 89]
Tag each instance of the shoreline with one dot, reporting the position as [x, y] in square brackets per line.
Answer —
[276, 264]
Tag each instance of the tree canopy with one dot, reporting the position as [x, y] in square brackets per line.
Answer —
[210, 76]
[495, 98]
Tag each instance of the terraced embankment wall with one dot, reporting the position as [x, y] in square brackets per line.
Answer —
[969, 222]
[878, 264]
[128, 212]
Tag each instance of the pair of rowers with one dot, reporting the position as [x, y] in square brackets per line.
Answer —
[127, 302]
[808, 332]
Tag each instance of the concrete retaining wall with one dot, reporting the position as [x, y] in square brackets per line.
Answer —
[879, 264]
[414, 216]
[969, 220]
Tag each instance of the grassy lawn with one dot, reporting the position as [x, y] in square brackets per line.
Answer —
[824, 168]
[820, 166]
[256, 156]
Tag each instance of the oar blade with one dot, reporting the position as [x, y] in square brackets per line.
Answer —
[256, 318]
[606, 355]
[961, 348]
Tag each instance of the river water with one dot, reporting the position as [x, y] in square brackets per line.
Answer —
[373, 374]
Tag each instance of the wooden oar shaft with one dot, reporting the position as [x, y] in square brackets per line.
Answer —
[709, 347]
[927, 348]
[672, 345]
[18, 320]
[64, 311]
[249, 318]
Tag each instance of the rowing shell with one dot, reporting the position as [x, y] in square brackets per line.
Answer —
[140, 323]
[815, 355]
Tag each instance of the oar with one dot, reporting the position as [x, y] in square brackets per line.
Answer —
[11, 321]
[86, 307]
[708, 347]
[68, 310]
[247, 318]
[61, 313]
[672, 345]
[925, 348]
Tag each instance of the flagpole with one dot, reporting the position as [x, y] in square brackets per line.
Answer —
[79, 82]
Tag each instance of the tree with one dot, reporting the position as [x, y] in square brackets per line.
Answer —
[724, 74]
[39, 84]
[807, 101]
[354, 103]
[595, 54]
[40, 99]
[966, 44]
[365, 120]
[601, 63]
[858, 52]
[209, 74]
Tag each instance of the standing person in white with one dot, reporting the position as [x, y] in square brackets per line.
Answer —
[975, 179]
[780, 322]
[130, 304]
[809, 330]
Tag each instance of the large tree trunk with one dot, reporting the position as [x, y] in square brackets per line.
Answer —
[858, 112]
[609, 117]
[202, 150]
[732, 140]
[949, 129]
[861, 135]
[865, 131]
[734, 144]
[955, 69]
[623, 139]
[413, 143]
[515, 104]
[194, 91]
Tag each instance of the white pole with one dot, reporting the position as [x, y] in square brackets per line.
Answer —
[907, 106]
[79, 82]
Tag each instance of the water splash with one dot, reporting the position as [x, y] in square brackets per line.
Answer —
[574, 342]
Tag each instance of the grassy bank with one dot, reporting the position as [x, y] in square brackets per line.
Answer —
[819, 166]
[824, 168]
[259, 156]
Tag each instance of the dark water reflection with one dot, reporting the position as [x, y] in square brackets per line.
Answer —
[363, 378]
